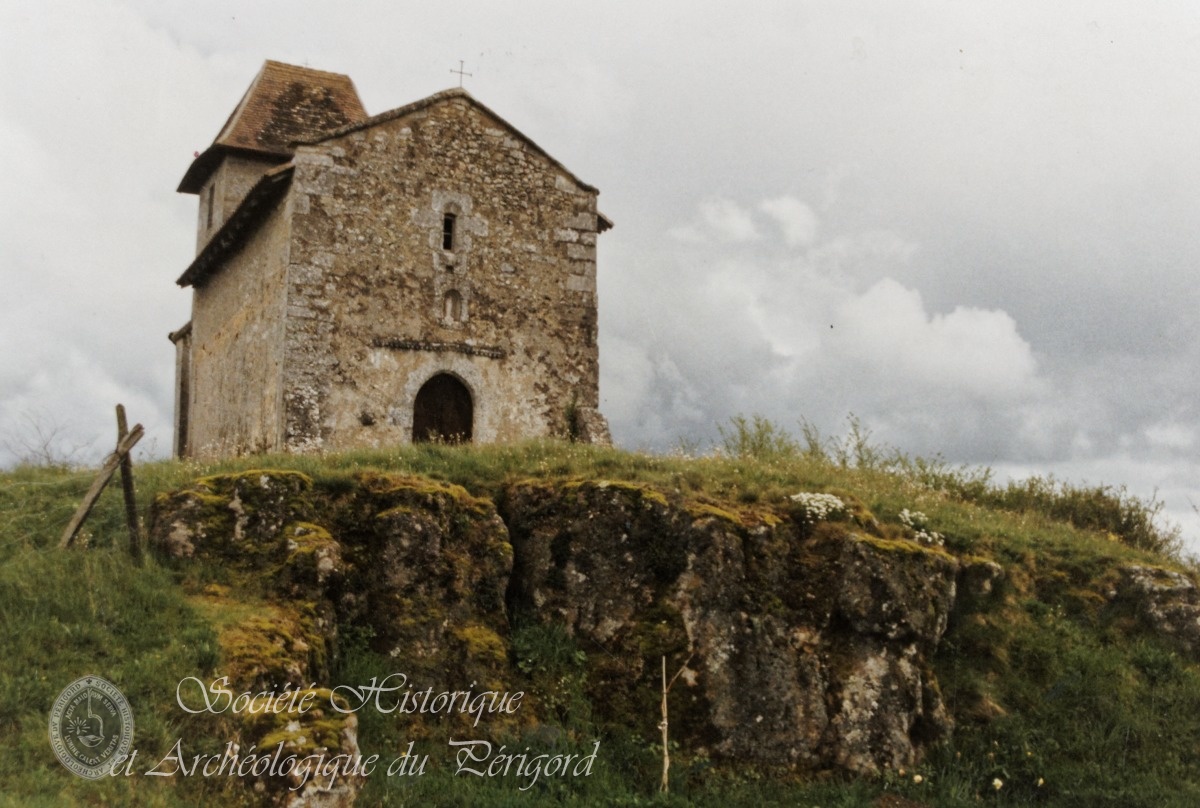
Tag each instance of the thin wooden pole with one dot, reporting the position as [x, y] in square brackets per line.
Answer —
[131, 516]
[666, 783]
[665, 787]
[106, 472]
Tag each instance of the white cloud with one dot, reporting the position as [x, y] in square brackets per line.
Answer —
[720, 220]
[796, 219]
[66, 406]
[628, 374]
[972, 350]
[1171, 435]
[817, 335]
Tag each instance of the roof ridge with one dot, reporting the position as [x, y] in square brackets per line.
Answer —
[389, 115]
[304, 68]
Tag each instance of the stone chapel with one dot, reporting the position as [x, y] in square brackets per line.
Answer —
[427, 273]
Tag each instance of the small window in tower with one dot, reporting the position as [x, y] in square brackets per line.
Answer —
[448, 222]
[452, 307]
[209, 216]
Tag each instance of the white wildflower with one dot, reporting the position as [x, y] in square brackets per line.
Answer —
[918, 523]
[818, 507]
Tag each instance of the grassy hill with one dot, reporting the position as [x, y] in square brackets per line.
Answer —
[1061, 692]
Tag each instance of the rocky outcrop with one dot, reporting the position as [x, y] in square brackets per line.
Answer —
[427, 568]
[419, 567]
[805, 640]
[806, 647]
[253, 533]
[1167, 602]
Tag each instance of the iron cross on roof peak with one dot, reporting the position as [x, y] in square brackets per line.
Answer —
[460, 72]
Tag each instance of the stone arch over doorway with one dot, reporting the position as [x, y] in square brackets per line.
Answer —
[443, 410]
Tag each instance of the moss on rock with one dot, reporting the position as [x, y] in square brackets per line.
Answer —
[758, 603]
[790, 624]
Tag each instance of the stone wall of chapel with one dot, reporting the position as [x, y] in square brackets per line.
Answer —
[237, 348]
[369, 320]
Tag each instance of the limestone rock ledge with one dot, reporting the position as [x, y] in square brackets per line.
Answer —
[255, 532]
[1167, 602]
[807, 644]
[808, 648]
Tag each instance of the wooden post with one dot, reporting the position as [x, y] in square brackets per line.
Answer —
[106, 472]
[131, 515]
[665, 787]
[666, 783]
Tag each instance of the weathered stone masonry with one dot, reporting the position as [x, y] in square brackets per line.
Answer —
[432, 242]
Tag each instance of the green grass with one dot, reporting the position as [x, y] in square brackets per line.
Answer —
[68, 614]
[1054, 685]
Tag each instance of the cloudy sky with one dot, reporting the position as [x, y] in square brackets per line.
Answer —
[973, 225]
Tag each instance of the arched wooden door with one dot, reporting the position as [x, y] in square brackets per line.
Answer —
[443, 411]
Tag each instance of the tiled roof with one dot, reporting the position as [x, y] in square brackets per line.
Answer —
[285, 103]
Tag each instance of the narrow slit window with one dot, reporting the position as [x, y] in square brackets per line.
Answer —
[448, 223]
[209, 217]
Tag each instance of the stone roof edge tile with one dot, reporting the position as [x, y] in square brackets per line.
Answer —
[241, 223]
[444, 95]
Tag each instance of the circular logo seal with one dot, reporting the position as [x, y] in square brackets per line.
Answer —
[91, 727]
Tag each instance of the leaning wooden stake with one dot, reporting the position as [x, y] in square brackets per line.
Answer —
[666, 688]
[131, 517]
[111, 463]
